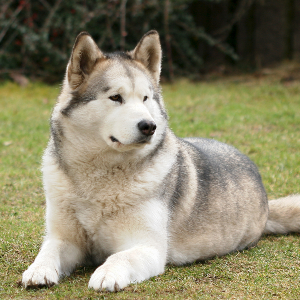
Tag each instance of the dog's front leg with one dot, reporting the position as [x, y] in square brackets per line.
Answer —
[133, 265]
[56, 257]
[63, 248]
[142, 239]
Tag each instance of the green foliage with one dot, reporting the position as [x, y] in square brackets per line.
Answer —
[36, 37]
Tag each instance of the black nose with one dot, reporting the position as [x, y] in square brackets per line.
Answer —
[147, 127]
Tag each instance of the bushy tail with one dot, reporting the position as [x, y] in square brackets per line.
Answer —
[284, 215]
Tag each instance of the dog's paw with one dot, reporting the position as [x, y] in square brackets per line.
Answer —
[39, 275]
[109, 278]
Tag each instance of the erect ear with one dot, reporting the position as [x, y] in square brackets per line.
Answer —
[148, 52]
[85, 55]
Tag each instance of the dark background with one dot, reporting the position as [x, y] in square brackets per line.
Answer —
[36, 36]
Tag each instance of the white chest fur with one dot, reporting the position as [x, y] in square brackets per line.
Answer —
[103, 201]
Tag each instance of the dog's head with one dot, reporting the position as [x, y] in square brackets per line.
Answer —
[113, 98]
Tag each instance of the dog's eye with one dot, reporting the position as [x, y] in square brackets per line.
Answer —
[116, 98]
[145, 98]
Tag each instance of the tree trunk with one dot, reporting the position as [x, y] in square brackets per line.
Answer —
[296, 30]
[271, 31]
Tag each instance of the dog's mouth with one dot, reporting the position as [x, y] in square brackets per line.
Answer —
[144, 140]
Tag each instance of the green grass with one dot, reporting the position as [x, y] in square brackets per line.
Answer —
[259, 117]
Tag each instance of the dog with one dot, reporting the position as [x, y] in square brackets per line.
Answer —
[125, 194]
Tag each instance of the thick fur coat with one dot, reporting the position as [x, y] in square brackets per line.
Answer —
[125, 194]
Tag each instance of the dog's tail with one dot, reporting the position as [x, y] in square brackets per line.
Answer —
[284, 215]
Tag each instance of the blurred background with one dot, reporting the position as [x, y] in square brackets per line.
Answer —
[197, 36]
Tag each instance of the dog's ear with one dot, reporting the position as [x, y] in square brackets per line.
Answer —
[85, 55]
[148, 52]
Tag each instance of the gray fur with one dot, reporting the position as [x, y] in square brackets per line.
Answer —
[132, 207]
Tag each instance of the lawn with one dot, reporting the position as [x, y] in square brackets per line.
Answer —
[259, 116]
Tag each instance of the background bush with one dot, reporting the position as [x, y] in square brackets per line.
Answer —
[36, 36]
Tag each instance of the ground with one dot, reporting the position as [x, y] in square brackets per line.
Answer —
[257, 113]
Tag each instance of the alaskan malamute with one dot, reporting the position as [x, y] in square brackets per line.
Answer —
[125, 194]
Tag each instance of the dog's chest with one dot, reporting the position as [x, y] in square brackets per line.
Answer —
[111, 186]
[103, 195]
[103, 202]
